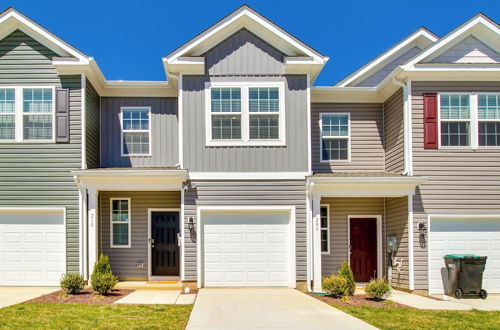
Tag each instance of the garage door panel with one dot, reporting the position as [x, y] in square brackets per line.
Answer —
[464, 236]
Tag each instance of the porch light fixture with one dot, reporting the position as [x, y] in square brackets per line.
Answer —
[192, 229]
[422, 228]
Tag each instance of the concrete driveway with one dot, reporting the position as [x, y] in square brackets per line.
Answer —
[266, 308]
[491, 303]
[11, 295]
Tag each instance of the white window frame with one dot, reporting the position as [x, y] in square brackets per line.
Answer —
[348, 137]
[135, 131]
[19, 115]
[327, 228]
[485, 120]
[245, 114]
[111, 223]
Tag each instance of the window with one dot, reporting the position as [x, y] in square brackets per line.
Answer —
[27, 114]
[325, 232]
[455, 119]
[136, 131]
[245, 113]
[489, 119]
[335, 136]
[120, 222]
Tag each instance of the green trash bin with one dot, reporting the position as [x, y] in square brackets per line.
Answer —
[465, 275]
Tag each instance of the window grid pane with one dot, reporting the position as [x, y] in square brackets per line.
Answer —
[335, 149]
[455, 134]
[37, 127]
[226, 127]
[489, 107]
[7, 100]
[136, 119]
[7, 127]
[489, 134]
[136, 143]
[37, 100]
[264, 99]
[226, 99]
[120, 234]
[120, 210]
[455, 106]
[264, 127]
[335, 125]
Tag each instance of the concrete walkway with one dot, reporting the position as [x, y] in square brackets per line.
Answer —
[153, 297]
[447, 303]
[11, 295]
[266, 308]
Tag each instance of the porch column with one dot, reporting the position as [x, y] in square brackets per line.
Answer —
[92, 229]
[316, 239]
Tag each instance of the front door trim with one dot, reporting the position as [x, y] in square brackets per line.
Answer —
[379, 239]
[150, 212]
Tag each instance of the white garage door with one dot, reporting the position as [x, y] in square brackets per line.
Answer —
[246, 249]
[481, 237]
[32, 247]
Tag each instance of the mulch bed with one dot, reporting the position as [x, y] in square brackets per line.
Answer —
[359, 300]
[87, 296]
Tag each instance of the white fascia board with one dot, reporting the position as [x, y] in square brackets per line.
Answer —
[11, 20]
[420, 37]
[186, 65]
[304, 65]
[447, 40]
[247, 175]
[242, 17]
[143, 173]
[374, 179]
[461, 216]
[333, 94]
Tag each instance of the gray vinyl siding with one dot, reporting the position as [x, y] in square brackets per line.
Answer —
[259, 193]
[460, 181]
[396, 215]
[376, 78]
[92, 127]
[394, 132]
[40, 174]
[124, 260]
[367, 148]
[340, 209]
[244, 53]
[198, 157]
[164, 132]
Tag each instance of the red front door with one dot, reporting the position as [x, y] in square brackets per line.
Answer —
[363, 248]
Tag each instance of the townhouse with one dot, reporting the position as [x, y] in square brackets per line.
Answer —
[238, 171]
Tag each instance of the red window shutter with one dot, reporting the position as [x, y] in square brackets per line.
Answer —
[430, 121]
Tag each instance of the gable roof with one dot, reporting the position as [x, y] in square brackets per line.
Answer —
[480, 26]
[420, 38]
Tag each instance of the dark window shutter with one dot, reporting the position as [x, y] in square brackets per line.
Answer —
[430, 121]
[62, 115]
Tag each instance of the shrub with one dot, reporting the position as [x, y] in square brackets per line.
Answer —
[335, 286]
[378, 289]
[103, 283]
[102, 279]
[72, 283]
[346, 272]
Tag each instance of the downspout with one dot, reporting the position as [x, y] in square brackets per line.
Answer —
[406, 126]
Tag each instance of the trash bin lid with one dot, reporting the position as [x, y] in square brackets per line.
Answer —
[460, 256]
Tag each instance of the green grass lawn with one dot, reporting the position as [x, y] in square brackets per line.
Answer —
[404, 318]
[66, 316]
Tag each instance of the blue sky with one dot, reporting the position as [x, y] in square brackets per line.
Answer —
[129, 38]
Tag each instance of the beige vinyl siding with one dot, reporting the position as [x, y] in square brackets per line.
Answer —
[460, 181]
[367, 149]
[256, 193]
[396, 214]
[39, 174]
[340, 209]
[469, 50]
[92, 127]
[124, 260]
[394, 132]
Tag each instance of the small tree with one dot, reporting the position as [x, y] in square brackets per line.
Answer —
[72, 283]
[335, 286]
[378, 289]
[102, 279]
[346, 272]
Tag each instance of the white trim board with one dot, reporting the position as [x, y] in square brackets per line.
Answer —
[380, 270]
[247, 175]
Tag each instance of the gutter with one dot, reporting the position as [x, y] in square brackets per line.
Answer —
[407, 125]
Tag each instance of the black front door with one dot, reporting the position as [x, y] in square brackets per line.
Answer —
[164, 246]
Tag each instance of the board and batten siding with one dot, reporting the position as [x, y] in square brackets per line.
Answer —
[340, 209]
[394, 132]
[92, 126]
[164, 132]
[39, 174]
[124, 260]
[396, 216]
[367, 134]
[199, 157]
[243, 193]
[460, 180]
